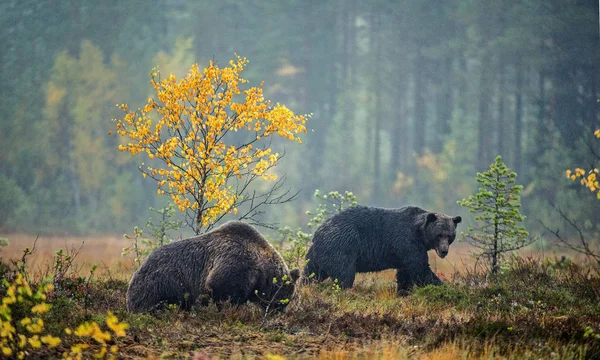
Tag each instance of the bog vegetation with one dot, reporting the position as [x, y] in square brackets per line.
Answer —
[535, 306]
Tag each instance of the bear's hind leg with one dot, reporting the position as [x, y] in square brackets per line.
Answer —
[340, 267]
[146, 295]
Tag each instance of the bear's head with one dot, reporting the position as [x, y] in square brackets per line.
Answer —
[283, 290]
[440, 232]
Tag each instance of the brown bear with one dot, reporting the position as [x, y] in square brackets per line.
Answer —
[366, 239]
[233, 262]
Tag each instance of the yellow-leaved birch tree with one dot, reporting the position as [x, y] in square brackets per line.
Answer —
[192, 133]
[587, 178]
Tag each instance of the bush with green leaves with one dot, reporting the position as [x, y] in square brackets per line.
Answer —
[330, 204]
[496, 207]
[4, 268]
[142, 246]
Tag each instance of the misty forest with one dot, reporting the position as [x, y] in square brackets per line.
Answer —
[280, 113]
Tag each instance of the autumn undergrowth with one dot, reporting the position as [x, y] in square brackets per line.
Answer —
[532, 308]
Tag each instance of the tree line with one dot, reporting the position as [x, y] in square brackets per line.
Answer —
[408, 100]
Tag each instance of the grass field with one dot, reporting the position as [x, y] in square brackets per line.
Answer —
[538, 307]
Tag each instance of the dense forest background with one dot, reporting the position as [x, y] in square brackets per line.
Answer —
[409, 100]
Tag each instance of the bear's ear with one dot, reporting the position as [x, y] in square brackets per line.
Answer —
[295, 274]
[456, 220]
[431, 217]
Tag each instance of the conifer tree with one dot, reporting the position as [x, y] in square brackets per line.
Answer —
[496, 207]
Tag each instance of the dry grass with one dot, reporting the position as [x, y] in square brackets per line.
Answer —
[104, 251]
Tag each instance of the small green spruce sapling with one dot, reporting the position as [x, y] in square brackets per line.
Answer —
[496, 207]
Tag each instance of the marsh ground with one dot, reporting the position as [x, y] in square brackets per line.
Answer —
[538, 307]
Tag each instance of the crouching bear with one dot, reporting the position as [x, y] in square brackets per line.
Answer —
[233, 262]
[366, 239]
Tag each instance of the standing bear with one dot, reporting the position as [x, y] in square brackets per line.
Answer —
[366, 239]
[232, 262]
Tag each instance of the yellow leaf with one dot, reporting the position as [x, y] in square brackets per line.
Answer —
[50, 340]
[35, 342]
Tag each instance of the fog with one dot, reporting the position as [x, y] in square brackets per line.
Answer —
[408, 101]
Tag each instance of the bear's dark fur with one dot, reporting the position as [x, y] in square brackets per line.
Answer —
[366, 239]
[230, 262]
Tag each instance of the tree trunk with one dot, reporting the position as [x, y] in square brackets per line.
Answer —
[592, 99]
[462, 85]
[500, 121]
[518, 151]
[541, 128]
[484, 129]
[420, 115]
[346, 25]
[443, 106]
[398, 135]
[378, 110]
[200, 210]
[496, 230]
[75, 43]
[348, 77]
[309, 102]
[331, 74]
[495, 257]
[448, 96]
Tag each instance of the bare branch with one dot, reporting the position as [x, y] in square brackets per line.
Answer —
[584, 246]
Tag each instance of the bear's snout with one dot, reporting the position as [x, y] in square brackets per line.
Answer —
[443, 247]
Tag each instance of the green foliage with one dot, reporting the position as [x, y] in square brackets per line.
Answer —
[166, 223]
[496, 208]
[591, 333]
[442, 295]
[13, 204]
[142, 246]
[298, 242]
[66, 276]
[330, 204]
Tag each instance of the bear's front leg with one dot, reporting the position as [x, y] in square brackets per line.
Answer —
[404, 282]
[417, 272]
[346, 275]
[427, 277]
